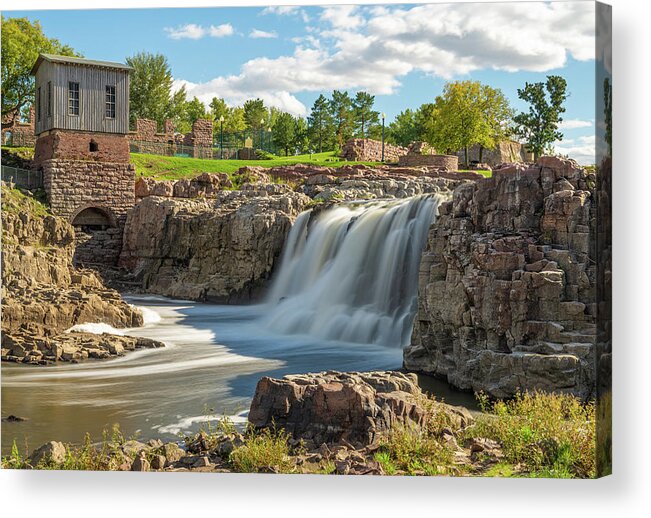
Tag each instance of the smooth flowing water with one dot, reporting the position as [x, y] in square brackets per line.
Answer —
[354, 267]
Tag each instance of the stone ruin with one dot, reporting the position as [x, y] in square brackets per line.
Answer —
[507, 151]
[198, 143]
[18, 133]
[369, 150]
[422, 154]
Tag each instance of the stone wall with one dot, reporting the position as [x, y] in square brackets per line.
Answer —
[506, 151]
[200, 139]
[507, 284]
[369, 150]
[75, 185]
[80, 145]
[147, 139]
[448, 162]
[19, 133]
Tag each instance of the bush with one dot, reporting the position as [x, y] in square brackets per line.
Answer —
[263, 451]
[550, 435]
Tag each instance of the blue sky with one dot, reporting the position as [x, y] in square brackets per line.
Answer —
[403, 54]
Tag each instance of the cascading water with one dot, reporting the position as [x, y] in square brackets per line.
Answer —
[350, 273]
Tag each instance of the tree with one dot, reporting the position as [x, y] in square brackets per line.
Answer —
[467, 113]
[22, 42]
[320, 125]
[301, 137]
[235, 121]
[608, 115]
[539, 126]
[283, 132]
[341, 106]
[364, 116]
[255, 114]
[404, 129]
[150, 89]
[195, 110]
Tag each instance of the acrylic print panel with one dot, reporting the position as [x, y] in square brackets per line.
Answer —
[340, 240]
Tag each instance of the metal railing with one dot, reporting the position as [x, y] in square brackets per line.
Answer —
[22, 177]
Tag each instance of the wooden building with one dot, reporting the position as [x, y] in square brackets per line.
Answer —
[81, 94]
[82, 121]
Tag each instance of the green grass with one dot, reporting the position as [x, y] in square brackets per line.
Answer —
[15, 201]
[173, 168]
[263, 451]
[548, 435]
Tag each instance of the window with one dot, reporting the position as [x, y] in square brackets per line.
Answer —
[49, 98]
[73, 98]
[110, 102]
[92, 147]
[38, 104]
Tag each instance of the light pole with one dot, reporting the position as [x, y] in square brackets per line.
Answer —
[221, 137]
[383, 117]
[269, 139]
[261, 134]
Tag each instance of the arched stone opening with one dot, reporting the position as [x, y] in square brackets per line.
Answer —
[93, 218]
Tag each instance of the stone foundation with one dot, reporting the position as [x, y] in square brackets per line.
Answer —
[80, 145]
[76, 188]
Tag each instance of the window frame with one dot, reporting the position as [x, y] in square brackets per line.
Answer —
[49, 99]
[72, 100]
[38, 104]
[110, 102]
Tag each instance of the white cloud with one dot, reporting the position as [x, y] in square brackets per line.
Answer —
[194, 32]
[372, 48]
[257, 33]
[571, 124]
[581, 149]
[287, 10]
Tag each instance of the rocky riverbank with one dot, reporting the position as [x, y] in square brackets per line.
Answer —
[44, 294]
[376, 423]
[507, 286]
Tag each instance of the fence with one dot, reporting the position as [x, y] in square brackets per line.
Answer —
[237, 145]
[22, 177]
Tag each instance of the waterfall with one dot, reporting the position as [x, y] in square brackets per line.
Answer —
[350, 272]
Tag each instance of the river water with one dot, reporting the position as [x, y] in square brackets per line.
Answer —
[343, 299]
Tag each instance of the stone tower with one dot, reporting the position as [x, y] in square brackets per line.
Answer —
[82, 119]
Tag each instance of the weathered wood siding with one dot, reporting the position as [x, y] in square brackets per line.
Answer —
[92, 98]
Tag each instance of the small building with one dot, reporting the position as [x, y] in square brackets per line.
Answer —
[81, 123]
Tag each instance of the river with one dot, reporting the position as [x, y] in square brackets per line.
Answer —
[344, 298]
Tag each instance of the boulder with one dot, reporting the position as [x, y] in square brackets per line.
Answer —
[51, 452]
[353, 408]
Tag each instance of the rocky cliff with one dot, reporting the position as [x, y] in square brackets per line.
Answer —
[506, 290]
[43, 294]
[220, 249]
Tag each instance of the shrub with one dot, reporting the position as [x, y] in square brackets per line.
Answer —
[263, 451]
[551, 435]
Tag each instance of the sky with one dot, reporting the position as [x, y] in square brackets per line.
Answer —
[401, 53]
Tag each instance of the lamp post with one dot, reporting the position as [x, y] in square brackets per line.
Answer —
[383, 117]
[221, 137]
[269, 139]
[262, 134]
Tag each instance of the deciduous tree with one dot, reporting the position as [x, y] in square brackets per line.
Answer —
[22, 42]
[150, 89]
[283, 132]
[539, 126]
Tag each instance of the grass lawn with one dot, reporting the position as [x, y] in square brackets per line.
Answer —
[172, 168]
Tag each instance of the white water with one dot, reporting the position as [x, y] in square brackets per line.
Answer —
[351, 272]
